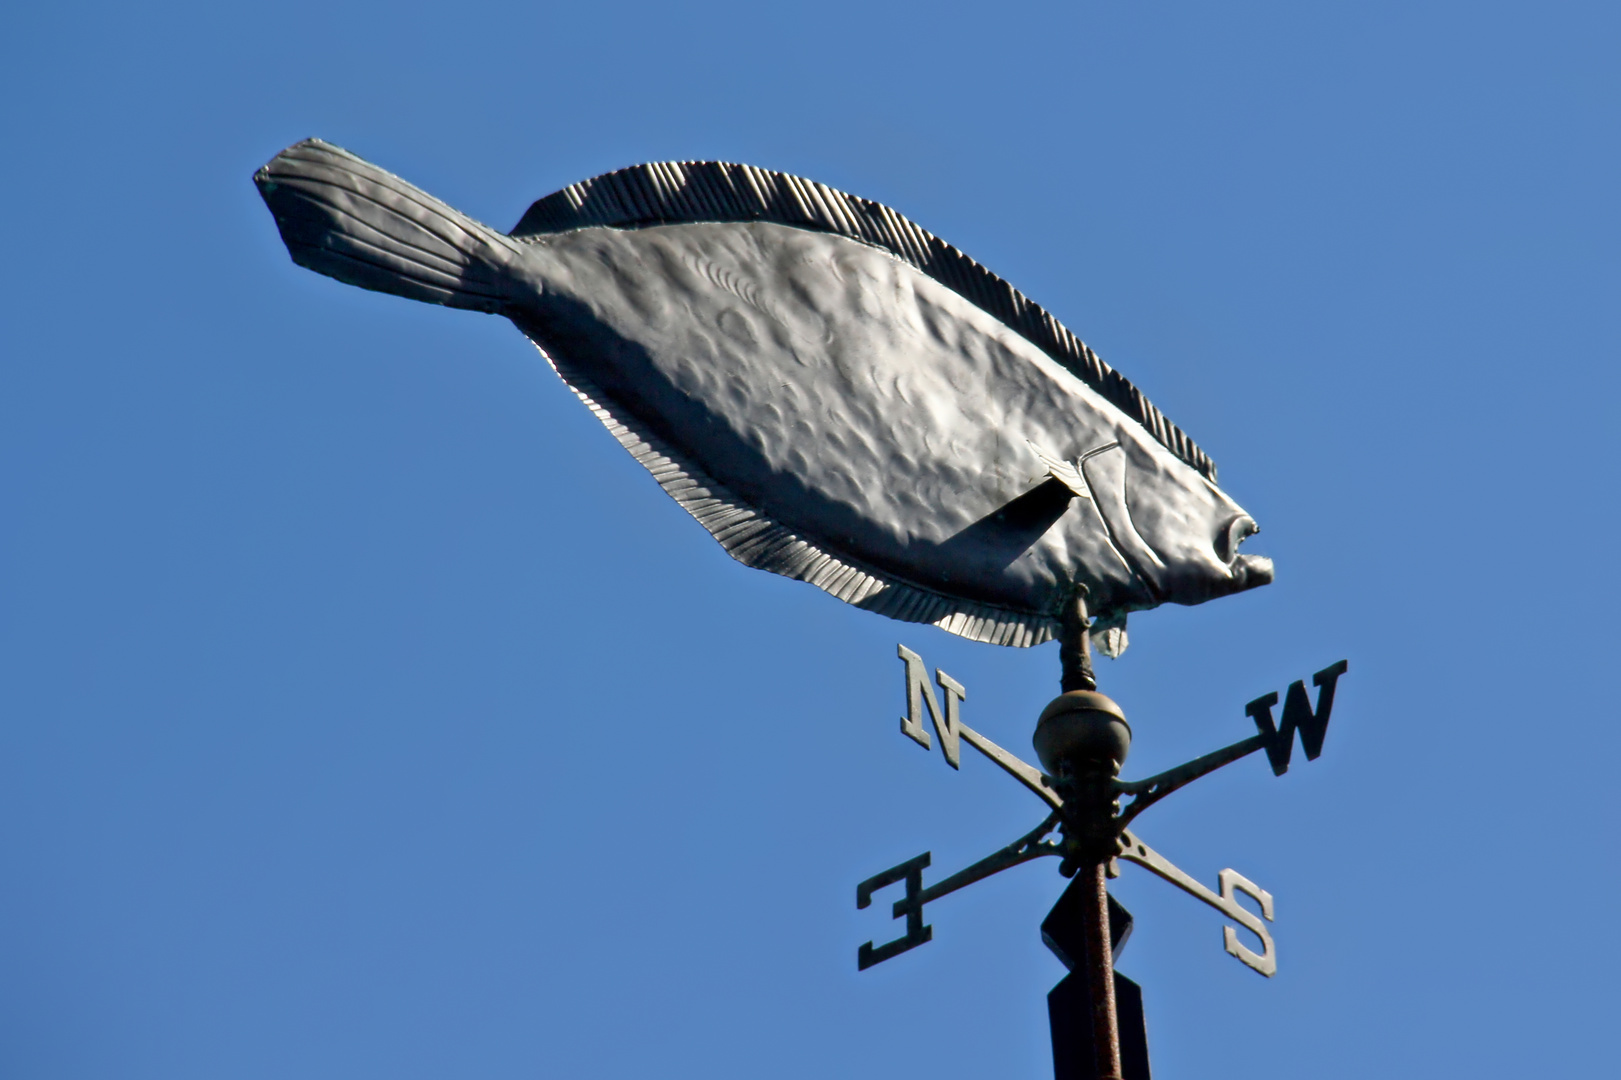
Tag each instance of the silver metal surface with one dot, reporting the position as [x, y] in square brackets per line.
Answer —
[836, 395]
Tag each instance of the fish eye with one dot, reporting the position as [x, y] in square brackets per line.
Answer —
[1228, 539]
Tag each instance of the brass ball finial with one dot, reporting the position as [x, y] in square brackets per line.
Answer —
[1081, 730]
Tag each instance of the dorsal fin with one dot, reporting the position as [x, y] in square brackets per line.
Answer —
[677, 192]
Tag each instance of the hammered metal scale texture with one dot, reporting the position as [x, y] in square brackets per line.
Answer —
[833, 393]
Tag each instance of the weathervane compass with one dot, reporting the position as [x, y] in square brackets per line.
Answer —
[1082, 739]
[841, 397]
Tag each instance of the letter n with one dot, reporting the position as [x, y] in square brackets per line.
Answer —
[920, 694]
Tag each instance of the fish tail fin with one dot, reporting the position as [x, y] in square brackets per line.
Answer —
[348, 219]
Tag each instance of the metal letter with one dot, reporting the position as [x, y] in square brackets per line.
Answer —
[1297, 716]
[920, 694]
[955, 696]
[1266, 962]
[917, 685]
[911, 906]
[952, 730]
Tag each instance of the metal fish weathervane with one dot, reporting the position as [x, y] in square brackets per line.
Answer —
[843, 398]
[835, 394]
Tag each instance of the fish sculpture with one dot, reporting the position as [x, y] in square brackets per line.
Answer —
[835, 394]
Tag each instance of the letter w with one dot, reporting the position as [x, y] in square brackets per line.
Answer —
[919, 693]
[1297, 716]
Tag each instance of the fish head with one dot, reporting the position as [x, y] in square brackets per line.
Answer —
[1177, 531]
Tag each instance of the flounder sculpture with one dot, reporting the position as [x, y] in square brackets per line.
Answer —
[835, 394]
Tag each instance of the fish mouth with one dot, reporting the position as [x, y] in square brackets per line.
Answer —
[1251, 572]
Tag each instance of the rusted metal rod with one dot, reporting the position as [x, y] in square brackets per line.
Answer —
[1082, 743]
[1100, 973]
[1075, 644]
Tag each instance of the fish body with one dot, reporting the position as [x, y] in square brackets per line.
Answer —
[833, 393]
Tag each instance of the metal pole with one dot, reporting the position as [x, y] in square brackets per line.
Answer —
[1092, 788]
[1075, 644]
[1100, 972]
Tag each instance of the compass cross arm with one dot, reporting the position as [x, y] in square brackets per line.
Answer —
[910, 905]
[1231, 882]
[1151, 790]
[1025, 773]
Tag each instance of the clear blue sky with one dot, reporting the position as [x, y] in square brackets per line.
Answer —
[367, 711]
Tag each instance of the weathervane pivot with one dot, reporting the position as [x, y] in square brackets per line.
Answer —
[1081, 739]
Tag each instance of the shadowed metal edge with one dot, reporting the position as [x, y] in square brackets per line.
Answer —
[756, 540]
